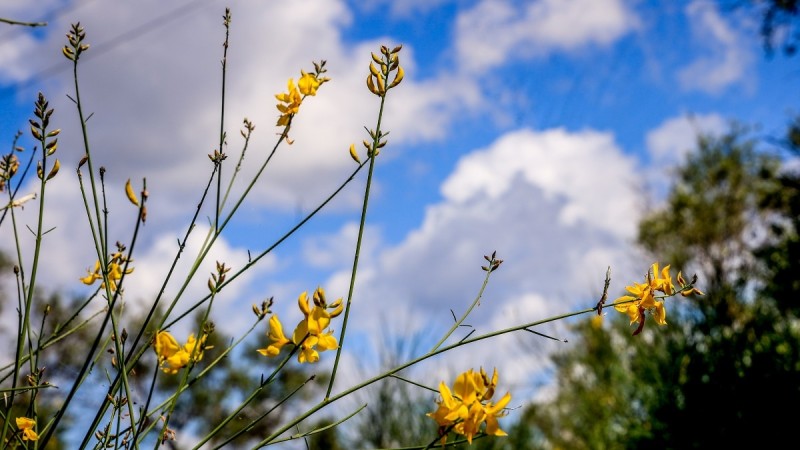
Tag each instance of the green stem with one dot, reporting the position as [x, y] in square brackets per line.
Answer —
[475, 302]
[361, 226]
[269, 249]
[199, 376]
[253, 422]
[328, 400]
[26, 24]
[198, 348]
[28, 291]
[222, 116]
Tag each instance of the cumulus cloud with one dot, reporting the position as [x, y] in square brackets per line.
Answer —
[669, 143]
[557, 206]
[558, 162]
[494, 32]
[155, 98]
[727, 57]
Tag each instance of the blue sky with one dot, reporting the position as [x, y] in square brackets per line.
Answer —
[540, 129]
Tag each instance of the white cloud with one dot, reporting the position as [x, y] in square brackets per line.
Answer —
[155, 97]
[727, 57]
[327, 251]
[154, 101]
[558, 207]
[669, 143]
[153, 265]
[560, 164]
[496, 31]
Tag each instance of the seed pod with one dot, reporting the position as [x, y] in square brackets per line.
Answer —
[398, 77]
[129, 192]
[54, 170]
[353, 153]
[381, 86]
[373, 69]
[36, 134]
[51, 147]
[371, 85]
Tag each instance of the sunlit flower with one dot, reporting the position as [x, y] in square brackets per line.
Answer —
[468, 405]
[311, 334]
[92, 275]
[288, 103]
[663, 283]
[114, 272]
[172, 357]
[27, 425]
[308, 84]
[660, 313]
[643, 297]
[276, 337]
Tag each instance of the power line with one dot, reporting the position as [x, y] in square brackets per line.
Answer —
[116, 41]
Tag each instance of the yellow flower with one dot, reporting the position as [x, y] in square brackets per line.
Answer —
[631, 309]
[493, 412]
[308, 84]
[92, 275]
[288, 103]
[276, 336]
[26, 425]
[643, 298]
[114, 272]
[447, 407]
[660, 313]
[467, 407]
[311, 334]
[172, 357]
[663, 284]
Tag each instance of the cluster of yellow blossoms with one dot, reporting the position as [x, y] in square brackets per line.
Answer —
[311, 334]
[289, 102]
[468, 405]
[27, 425]
[115, 264]
[644, 297]
[172, 357]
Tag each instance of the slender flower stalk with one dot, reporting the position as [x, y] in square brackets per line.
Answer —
[390, 64]
[493, 265]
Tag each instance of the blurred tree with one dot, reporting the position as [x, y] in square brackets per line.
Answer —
[395, 415]
[325, 440]
[779, 27]
[714, 375]
[729, 216]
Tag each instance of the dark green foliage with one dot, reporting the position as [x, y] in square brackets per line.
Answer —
[779, 28]
[718, 374]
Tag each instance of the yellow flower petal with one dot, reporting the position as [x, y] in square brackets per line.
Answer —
[165, 345]
[353, 153]
[308, 84]
[129, 192]
[26, 425]
[660, 313]
[302, 302]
